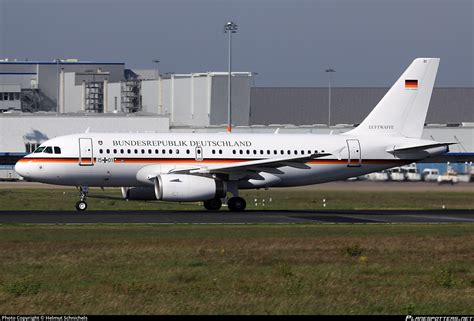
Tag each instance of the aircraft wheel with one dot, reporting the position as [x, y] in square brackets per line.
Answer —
[236, 204]
[213, 205]
[81, 206]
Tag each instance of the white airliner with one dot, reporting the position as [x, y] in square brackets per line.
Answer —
[208, 167]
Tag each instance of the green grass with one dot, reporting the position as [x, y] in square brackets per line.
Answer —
[274, 199]
[255, 269]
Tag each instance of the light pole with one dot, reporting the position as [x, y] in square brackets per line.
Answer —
[156, 61]
[229, 28]
[57, 87]
[330, 71]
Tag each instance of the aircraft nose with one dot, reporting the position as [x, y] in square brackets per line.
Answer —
[21, 167]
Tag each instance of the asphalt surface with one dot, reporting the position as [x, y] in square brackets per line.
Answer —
[248, 217]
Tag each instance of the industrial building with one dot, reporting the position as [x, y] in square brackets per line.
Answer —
[73, 86]
[38, 82]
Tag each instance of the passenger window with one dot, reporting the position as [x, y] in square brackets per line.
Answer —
[248, 152]
[163, 151]
[187, 151]
[108, 151]
[213, 151]
[48, 150]
[129, 151]
[220, 151]
[241, 152]
[268, 152]
[57, 150]
[296, 152]
[261, 152]
[143, 151]
[254, 152]
[233, 151]
[171, 151]
[275, 152]
[121, 151]
[289, 152]
[115, 151]
[156, 151]
[101, 151]
[149, 151]
[177, 151]
[136, 151]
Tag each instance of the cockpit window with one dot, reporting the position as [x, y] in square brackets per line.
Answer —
[39, 149]
[48, 150]
[57, 150]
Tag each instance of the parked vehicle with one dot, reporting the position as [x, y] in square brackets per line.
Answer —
[430, 174]
[411, 173]
[397, 174]
[450, 177]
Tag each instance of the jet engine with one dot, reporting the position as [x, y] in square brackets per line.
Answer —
[188, 188]
[139, 193]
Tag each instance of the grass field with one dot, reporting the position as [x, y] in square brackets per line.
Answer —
[235, 269]
[260, 269]
[274, 199]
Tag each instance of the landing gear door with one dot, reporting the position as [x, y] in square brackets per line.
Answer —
[355, 155]
[85, 152]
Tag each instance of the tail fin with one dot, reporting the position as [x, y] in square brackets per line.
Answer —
[402, 111]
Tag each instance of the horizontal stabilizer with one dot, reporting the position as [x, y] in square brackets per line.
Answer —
[415, 148]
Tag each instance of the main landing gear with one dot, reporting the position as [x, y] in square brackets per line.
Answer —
[213, 205]
[235, 204]
[81, 205]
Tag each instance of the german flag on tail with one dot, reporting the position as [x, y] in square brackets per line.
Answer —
[411, 84]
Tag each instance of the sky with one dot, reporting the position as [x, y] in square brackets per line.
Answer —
[289, 43]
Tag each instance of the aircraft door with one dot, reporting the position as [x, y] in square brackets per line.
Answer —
[354, 153]
[85, 152]
[198, 155]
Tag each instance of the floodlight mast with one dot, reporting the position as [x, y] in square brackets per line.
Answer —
[329, 71]
[156, 62]
[229, 28]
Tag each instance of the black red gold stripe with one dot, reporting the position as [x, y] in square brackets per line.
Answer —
[206, 161]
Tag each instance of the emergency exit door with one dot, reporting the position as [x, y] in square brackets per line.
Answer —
[85, 152]
[355, 155]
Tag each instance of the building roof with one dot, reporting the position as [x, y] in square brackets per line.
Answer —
[62, 62]
[349, 105]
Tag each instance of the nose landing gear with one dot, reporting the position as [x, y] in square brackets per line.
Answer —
[81, 205]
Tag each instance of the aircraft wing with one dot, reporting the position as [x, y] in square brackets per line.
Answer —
[261, 165]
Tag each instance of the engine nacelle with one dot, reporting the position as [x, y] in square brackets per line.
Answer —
[139, 193]
[188, 188]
